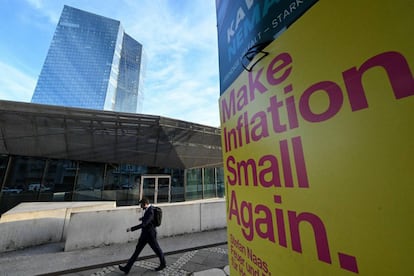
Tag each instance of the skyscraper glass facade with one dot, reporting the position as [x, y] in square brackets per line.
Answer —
[91, 63]
[129, 94]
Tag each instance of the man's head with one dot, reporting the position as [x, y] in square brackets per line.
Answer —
[144, 203]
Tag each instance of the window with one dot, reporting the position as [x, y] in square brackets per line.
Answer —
[89, 182]
[209, 183]
[194, 189]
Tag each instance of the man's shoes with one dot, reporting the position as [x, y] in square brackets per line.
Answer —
[123, 268]
[161, 267]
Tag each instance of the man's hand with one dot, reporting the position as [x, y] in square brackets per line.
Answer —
[128, 229]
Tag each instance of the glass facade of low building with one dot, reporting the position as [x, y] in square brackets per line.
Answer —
[91, 63]
[28, 179]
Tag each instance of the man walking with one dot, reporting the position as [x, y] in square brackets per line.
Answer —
[148, 235]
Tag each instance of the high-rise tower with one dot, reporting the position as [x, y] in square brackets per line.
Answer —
[91, 63]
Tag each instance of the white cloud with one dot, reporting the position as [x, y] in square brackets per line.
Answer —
[49, 9]
[17, 86]
[182, 71]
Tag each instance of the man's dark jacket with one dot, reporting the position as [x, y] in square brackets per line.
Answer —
[147, 226]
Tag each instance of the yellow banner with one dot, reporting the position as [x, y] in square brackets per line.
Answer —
[318, 146]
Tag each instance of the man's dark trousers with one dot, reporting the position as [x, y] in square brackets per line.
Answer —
[150, 238]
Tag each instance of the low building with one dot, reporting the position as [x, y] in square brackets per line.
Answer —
[52, 153]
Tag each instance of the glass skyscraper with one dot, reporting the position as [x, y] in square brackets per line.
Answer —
[91, 63]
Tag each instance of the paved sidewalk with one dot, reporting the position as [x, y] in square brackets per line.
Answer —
[197, 253]
[210, 261]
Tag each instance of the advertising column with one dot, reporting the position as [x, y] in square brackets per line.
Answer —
[317, 120]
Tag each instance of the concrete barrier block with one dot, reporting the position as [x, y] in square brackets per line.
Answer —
[179, 218]
[35, 223]
[32, 229]
[213, 215]
[100, 228]
[104, 205]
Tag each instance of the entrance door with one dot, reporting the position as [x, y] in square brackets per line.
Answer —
[157, 188]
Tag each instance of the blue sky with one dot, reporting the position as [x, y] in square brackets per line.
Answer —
[179, 38]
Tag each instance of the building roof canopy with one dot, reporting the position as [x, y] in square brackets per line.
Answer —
[102, 136]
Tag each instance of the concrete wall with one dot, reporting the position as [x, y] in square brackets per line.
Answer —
[35, 223]
[105, 227]
[95, 224]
